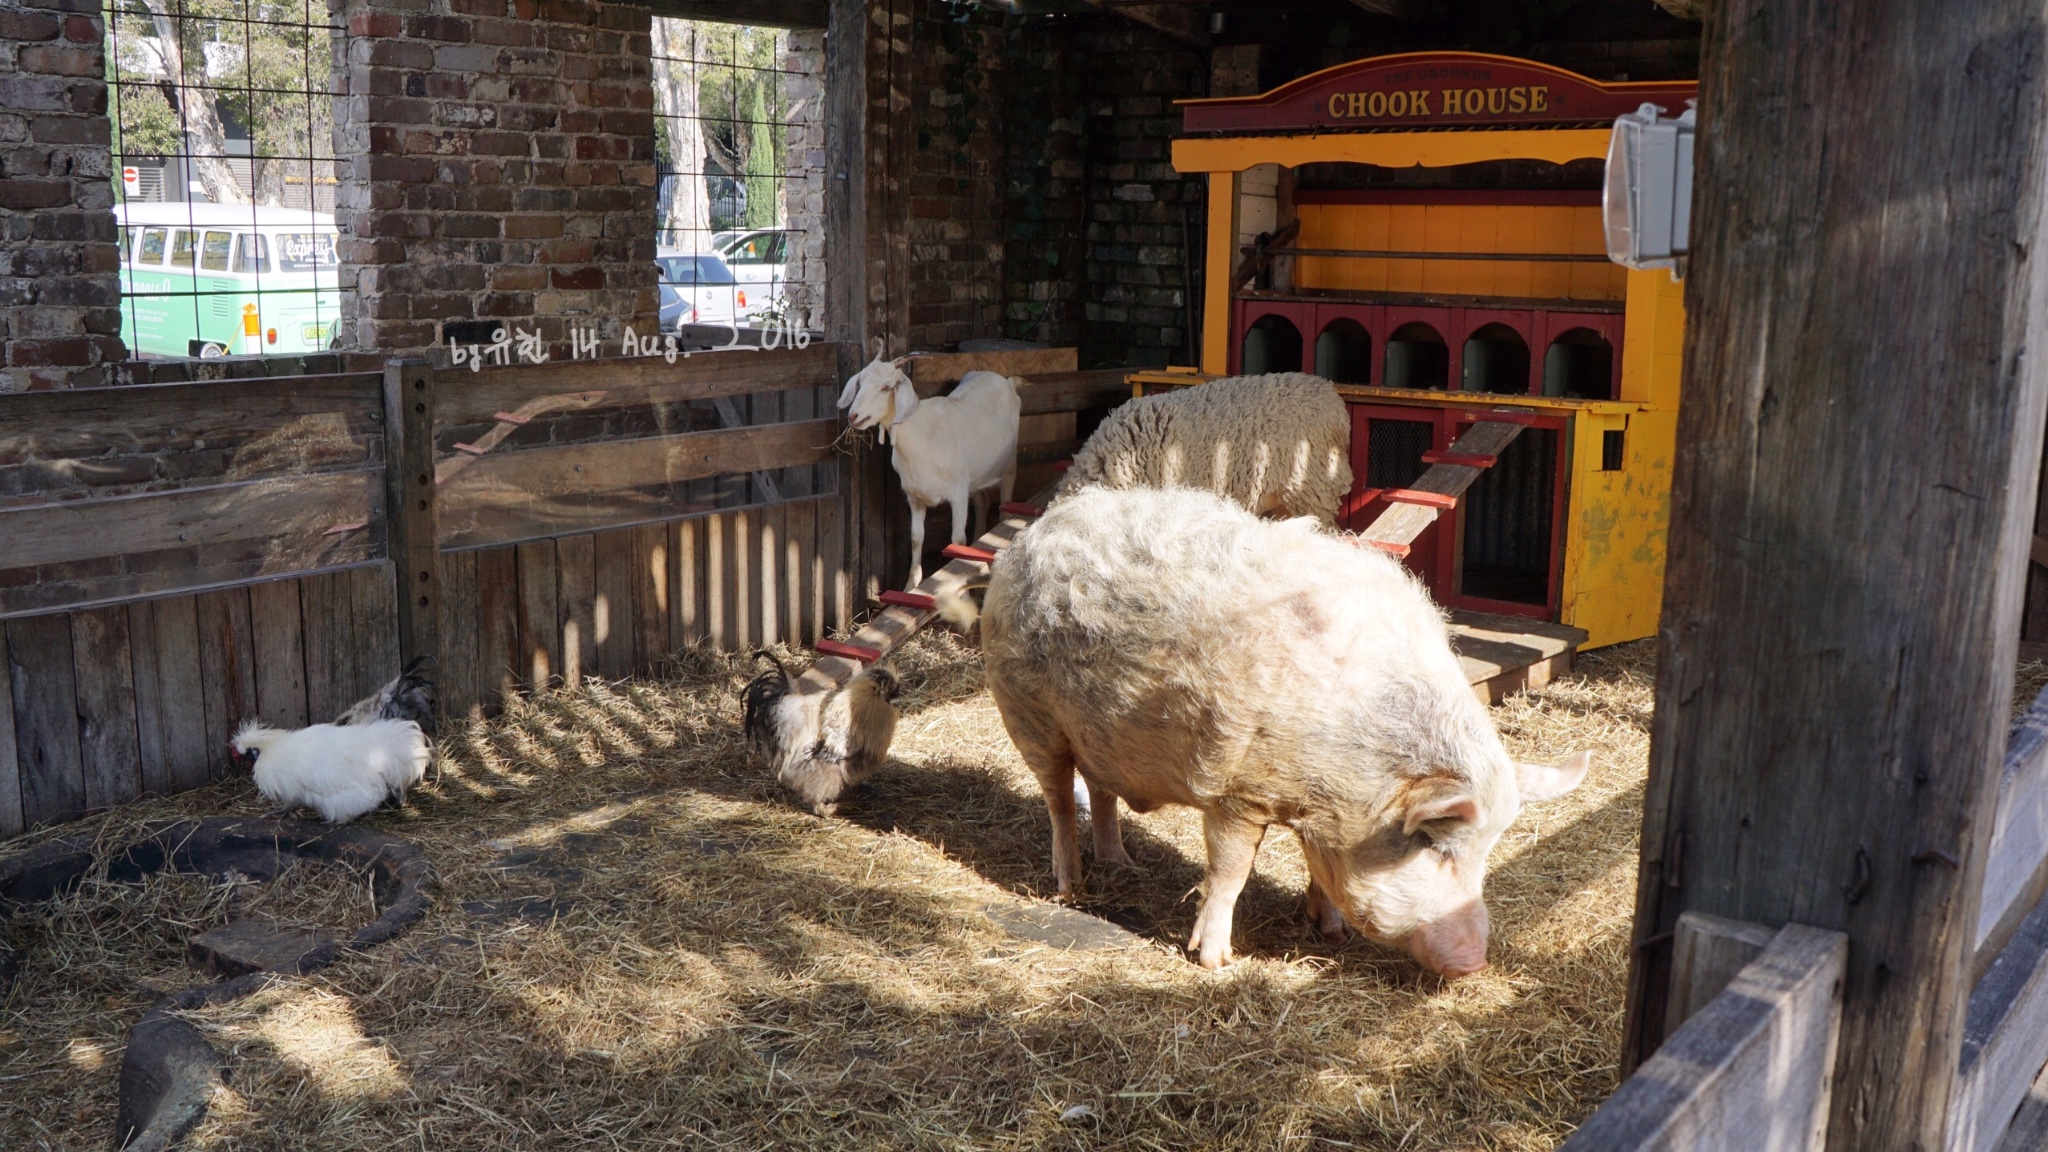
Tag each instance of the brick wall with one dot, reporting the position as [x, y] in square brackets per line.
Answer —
[804, 189]
[1045, 266]
[59, 263]
[497, 170]
[1141, 216]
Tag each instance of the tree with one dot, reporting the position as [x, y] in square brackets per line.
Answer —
[763, 166]
[686, 217]
[182, 72]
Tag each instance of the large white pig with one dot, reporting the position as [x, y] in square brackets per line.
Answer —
[1174, 649]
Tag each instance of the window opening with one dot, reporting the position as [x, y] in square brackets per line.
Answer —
[223, 123]
[1507, 517]
[1612, 450]
[739, 156]
[1579, 364]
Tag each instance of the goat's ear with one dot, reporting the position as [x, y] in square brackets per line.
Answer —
[851, 390]
[906, 399]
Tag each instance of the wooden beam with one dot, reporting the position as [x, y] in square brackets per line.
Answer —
[1749, 1071]
[411, 502]
[1706, 954]
[1828, 733]
[1189, 25]
[512, 496]
[772, 13]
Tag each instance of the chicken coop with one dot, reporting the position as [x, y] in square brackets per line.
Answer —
[1424, 230]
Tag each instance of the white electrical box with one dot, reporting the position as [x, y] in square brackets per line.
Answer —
[1647, 204]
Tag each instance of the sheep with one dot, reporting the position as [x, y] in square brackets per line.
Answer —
[1171, 648]
[1277, 444]
[821, 744]
[339, 770]
[410, 696]
[947, 448]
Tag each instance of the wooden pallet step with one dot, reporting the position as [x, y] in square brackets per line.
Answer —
[1020, 508]
[917, 600]
[860, 652]
[1461, 459]
[969, 552]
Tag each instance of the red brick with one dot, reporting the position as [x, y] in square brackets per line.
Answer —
[533, 227]
[518, 277]
[30, 26]
[19, 194]
[376, 24]
[51, 60]
[449, 29]
[84, 30]
[581, 278]
[67, 350]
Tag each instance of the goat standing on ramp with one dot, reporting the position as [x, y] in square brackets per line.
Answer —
[947, 449]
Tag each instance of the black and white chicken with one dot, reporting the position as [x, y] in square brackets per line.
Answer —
[820, 744]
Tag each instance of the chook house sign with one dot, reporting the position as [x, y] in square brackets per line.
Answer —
[1420, 90]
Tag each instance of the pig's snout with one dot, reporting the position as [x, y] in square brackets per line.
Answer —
[1453, 946]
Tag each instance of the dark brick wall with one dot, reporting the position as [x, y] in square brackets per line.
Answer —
[498, 170]
[955, 80]
[59, 262]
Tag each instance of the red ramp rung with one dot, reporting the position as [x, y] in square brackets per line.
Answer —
[917, 600]
[860, 652]
[1019, 508]
[1466, 459]
[969, 552]
[1435, 500]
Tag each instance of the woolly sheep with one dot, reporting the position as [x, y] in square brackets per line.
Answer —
[947, 448]
[1171, 648]
[1277, 444]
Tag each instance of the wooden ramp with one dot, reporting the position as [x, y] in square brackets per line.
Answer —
[1502, 655]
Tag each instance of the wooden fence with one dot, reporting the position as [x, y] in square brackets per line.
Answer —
[1754, 1013]
[180, 557]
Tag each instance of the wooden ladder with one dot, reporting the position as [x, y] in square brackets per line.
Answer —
[1437, 490]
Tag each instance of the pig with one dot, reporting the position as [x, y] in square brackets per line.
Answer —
[1172, 648]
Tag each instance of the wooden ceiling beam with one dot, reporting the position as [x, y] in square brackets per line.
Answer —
[1188, 24]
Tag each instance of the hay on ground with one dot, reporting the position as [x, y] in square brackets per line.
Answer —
[638, 943]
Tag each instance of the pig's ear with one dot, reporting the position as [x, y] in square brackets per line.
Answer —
[1543, 782]
[1436, 800]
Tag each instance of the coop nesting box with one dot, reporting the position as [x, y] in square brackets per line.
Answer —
[1425, 230]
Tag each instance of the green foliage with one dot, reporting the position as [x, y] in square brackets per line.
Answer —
[260, 63]
[763, 165]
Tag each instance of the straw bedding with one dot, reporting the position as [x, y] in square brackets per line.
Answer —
[639, 944]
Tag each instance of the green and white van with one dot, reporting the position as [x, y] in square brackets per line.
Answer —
[226, 279]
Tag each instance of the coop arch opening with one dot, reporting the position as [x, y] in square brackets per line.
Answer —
[1580, 365]
[1272, 344]
[1496, 360]
[1344, 352]
[1417, 357]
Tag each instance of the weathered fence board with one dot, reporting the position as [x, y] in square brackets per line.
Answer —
[103, 669]
[1750, 1072]
[466, 398]
[650, 581]
[2005, 1038]
[612, 614]
[11, 821]
[575, 602]
[540, 637]
[153, 542]
[461, 672]
[227, 668]
[500, 609]
[1707, 953]
[280, 647]
[538, 492]
[179, 696]
[45, 719]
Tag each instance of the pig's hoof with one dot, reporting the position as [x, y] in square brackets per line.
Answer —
[1119, 857]
[1210, 954]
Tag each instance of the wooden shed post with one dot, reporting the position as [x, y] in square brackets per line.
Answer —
[409, 494]
[1852, 504]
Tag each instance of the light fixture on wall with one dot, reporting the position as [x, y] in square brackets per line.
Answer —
[1647, 205]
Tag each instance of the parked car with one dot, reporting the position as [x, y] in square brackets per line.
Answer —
[759, 260]
[696, 288]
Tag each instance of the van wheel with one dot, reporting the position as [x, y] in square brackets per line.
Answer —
[211, 351]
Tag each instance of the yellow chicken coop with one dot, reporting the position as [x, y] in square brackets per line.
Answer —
[1425, 230]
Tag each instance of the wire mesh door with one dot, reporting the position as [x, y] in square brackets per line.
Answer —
[223, 147]
[739, 158]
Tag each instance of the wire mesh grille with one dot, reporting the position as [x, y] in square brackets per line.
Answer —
[739, 181]
[223, 143]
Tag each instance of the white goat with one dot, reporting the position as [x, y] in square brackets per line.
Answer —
[947, 448]
[339, 770]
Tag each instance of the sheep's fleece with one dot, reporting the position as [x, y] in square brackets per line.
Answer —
[1273, 444]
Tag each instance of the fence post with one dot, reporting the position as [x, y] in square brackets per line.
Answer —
[409, 494]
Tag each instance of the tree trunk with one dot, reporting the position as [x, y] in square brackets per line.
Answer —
[686, 218]
[1851, 504]
[205, 139]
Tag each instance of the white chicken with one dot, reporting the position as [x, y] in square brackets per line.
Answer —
[340, 771]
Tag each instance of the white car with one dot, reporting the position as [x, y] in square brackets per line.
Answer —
[758, 259]
[696, 288]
